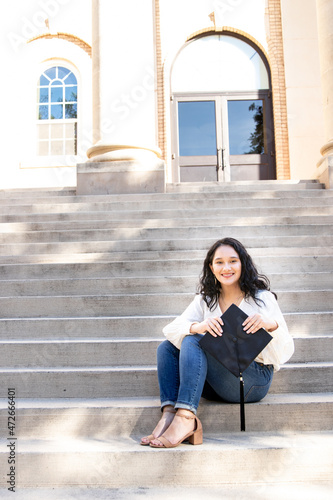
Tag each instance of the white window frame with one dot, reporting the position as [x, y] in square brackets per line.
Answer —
[49, 125]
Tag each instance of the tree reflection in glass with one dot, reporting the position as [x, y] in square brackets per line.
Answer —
[257, 136]
[246, 127]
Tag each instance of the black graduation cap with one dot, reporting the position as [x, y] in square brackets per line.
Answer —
[236, 349]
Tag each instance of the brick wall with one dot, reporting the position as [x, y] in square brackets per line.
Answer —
[161, 118]
[276, 60]
[66, 36]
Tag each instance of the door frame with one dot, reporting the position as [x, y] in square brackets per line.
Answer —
[223, 160]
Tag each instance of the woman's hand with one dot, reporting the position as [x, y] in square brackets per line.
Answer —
[253, 323]
[210, 325]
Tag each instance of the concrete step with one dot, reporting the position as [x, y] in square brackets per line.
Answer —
[88, 245]
[168, 223]
[78, 353]
[101, 267]
[133, 304]
[270, 184]
[112, 417]
[23, 192]
[151, 284]
[167, 206]
[177, 211]
[78, 356]
[240, 185]
[31, 197]
[246, 457]
[264, 255]
[108, 233]
[250, 491]
[305, 324]
[120, 381]
[85, 327]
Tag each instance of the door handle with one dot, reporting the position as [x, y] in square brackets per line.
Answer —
[220, 159]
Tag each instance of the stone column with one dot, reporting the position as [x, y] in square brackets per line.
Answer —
[123, 158]
[325, 38]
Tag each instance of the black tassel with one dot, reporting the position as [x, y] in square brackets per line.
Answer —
[242, 405]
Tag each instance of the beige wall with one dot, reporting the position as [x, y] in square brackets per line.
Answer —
[124, 89]
[127, 89]
[303, 86]
[23, 63]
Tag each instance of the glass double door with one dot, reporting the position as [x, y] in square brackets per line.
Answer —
[223, 138]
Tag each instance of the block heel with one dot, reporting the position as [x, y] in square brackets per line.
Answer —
[194, 437]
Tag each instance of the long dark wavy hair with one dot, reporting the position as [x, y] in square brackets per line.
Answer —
[250, 281]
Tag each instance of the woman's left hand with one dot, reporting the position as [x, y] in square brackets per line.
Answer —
[253, 323]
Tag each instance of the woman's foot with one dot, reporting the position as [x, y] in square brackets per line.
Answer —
[167, 417]
[184, 425]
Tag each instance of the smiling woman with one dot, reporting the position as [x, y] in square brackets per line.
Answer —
[249, 280]
[226, 267]
[186, 372]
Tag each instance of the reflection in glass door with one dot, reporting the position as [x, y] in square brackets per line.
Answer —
[250, 133]
[197, 129]
[197, 140]
[245, 124]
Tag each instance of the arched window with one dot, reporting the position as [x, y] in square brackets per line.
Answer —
[222, 111]
[57, 112]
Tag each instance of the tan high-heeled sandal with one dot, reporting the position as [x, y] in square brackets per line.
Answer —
[193, 437]
[151, 436]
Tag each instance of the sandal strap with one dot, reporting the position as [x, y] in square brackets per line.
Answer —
[185, 415]
[165, 442]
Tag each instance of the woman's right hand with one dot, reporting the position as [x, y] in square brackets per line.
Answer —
[210, 325]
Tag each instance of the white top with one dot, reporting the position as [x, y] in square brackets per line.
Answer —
[277, 352]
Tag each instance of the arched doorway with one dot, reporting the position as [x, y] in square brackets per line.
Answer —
[222, 120]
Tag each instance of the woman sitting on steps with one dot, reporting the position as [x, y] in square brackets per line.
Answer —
[186, 372]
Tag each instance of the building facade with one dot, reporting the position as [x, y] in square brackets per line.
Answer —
[126, 96]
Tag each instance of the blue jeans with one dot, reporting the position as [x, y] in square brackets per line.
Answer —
[187, 374]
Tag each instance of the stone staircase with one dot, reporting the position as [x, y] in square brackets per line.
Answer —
[87, 284]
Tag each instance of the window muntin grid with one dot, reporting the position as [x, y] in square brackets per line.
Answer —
[57, 112]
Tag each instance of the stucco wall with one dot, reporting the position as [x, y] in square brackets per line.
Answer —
[23, 62]
[303, 86]
[131, 89]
